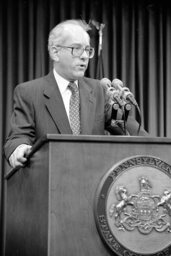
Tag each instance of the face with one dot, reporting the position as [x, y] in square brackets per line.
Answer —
[67, 65]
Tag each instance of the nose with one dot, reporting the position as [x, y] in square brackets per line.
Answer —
[84, 55]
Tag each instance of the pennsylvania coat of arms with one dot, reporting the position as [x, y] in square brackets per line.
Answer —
[143, 211]
[133, 207]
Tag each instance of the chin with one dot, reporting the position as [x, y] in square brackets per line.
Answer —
[80, 74]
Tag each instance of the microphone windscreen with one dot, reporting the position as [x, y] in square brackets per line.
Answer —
[117, 83]
[105, 83]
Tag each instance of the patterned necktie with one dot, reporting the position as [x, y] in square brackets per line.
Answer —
[74, 109]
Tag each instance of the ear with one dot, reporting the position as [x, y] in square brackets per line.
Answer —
[54, 53]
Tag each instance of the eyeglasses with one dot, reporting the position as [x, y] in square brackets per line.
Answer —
[77, 51]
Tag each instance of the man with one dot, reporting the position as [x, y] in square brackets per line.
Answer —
[42, 106]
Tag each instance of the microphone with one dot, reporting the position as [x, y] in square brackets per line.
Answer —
[106, 85]
[125, 92]
[114, 98]
[127, 95]
[117, 96]
[111, 93]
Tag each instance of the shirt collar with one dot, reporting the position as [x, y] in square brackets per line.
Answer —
[62, 82]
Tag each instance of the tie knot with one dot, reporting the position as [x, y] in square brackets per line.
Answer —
[73, 87]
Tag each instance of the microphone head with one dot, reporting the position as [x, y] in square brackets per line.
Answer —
[117, 83]
[105, 83]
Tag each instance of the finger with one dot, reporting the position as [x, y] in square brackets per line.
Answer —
[18, 164]
[27, 152]
[17, 161]
[21, 159]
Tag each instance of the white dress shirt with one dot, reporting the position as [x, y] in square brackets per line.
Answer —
[64, 90]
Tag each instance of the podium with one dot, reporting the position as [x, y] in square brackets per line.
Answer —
[50, 203]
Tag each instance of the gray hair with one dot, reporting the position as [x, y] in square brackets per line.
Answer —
[57, 35]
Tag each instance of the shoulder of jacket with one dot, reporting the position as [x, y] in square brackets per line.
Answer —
[29, 85]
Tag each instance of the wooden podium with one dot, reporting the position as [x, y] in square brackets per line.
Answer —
[49, 204]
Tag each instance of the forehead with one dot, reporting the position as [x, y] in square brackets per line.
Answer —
[76, 35]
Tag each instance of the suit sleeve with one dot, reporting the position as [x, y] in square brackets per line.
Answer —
[22, 125]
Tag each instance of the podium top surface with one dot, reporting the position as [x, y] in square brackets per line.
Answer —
[98, 139]
[52, 138]
[101, 139]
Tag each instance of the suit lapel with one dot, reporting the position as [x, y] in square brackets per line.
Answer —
[56, 108]
[87, 101]
[55, 105]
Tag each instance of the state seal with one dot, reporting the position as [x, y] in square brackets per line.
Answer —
[133, 207]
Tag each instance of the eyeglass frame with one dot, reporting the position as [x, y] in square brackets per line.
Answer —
[80, 47]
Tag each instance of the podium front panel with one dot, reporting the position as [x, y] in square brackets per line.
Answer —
[59, 191]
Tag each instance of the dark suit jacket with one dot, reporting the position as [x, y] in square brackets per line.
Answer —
[39, 109]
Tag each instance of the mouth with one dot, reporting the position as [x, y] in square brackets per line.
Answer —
[82, 66]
